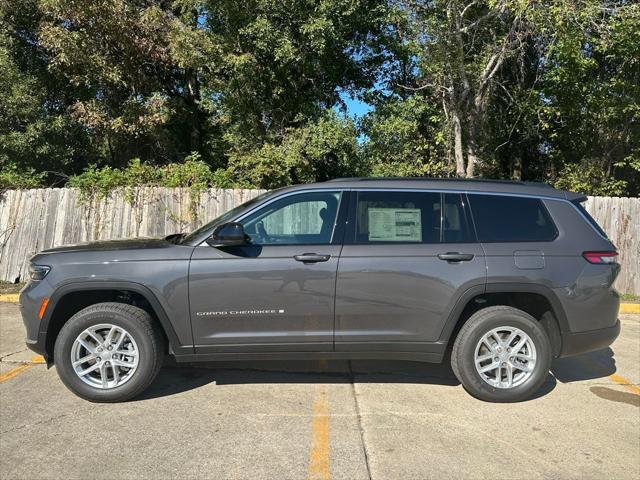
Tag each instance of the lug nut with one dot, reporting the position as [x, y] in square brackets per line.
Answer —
[99, 349]
[504, 364]
[109, 347]
[496, 359]
[511, 359]
[509, 350]
[98, 359]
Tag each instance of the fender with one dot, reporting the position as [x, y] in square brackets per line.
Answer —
[500, 287]
[454, 314]
[174, 344]
[546, 292]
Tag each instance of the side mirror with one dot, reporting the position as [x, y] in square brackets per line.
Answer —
[228, 235]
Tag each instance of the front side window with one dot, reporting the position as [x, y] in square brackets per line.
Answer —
[501, 218]
[306, 218]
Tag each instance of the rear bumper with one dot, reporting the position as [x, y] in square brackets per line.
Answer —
[583, 342]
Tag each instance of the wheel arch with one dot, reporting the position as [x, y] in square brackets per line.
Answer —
[72, 297]
[537, 300]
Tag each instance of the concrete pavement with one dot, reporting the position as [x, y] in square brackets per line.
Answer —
[340, 420]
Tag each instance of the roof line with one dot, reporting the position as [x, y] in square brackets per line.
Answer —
[434, 179]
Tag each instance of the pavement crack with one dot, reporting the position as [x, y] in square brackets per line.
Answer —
[12, 353]
[365, 451]
[35, 424]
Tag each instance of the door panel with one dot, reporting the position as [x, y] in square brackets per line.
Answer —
[400, 293]
[405, 262]
[276, 293]
[263, 298]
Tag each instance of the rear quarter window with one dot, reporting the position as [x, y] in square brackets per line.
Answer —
[590, 219]
[501, 218]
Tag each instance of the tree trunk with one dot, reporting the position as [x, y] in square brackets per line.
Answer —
[472, 144]
[516, 172]
[457, 138]
[193, 97]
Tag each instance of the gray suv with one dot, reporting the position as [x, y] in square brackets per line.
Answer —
[500, 276]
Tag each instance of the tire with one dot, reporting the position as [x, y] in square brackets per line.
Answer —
[467, 348]
[140, 335]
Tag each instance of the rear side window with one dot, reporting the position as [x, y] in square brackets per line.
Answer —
[511, 219]
[410, 217]
[590, 219]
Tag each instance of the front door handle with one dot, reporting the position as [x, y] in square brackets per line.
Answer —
[311, 258]
[455, 256]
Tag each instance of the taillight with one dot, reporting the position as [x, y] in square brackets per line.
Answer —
[600, 258]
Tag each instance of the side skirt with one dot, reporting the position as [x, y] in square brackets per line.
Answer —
[216, 357]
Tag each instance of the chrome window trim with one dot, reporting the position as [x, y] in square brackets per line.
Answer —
[396, 189]
[280, 197]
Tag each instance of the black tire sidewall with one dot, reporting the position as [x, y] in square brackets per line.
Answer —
[86, 319]
[472, 380]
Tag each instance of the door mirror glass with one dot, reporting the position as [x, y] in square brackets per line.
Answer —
[227, 235]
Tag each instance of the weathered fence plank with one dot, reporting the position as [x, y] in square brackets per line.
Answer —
[32, 220]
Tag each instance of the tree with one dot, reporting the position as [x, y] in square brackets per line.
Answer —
[36, 133]
[325, 149]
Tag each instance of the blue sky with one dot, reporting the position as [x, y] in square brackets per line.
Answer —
[355, 107]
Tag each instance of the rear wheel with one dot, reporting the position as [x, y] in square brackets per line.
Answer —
[109, 352]
[501, 354]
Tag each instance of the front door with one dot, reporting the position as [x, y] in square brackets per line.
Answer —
[277, 292]
[404, 263]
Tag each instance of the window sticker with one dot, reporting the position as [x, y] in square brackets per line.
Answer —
[395, 225]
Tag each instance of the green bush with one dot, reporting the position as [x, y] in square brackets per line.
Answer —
[12, 178]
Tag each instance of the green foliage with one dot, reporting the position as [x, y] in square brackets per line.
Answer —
[97, 183]
[325, 149]
[200, 93]
[590, 179]
[405, 138]
[13, 178]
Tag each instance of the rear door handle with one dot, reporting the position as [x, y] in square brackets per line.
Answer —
[455, 256]
[311, 258]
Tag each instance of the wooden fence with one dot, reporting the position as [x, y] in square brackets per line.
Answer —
[33, 220]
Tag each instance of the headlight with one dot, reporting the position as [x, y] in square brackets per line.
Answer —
[38, 272]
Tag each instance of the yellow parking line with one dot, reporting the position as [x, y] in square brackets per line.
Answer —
[9, 297]
[12, 373]
[38, 359]
[625, 383]
[630, 308]
[319, 453]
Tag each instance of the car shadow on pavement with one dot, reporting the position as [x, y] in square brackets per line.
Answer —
[588, 366]
[175, 379]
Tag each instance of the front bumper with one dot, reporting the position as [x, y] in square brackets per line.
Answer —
[589, 341]
[31, 297]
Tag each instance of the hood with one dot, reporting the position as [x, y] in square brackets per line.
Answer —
[106, 245]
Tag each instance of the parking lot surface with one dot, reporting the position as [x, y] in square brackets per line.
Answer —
[321, 420]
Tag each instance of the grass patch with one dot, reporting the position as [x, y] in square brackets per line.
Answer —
[630, 298]
[8, 287]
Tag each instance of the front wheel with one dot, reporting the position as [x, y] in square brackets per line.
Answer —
[109, 352]
[501, 354]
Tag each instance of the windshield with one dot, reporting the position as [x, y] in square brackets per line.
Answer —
[224, 217]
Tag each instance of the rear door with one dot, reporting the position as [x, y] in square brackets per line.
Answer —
[405, 261]
[277, 292]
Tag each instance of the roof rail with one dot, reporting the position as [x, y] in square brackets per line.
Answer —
[479, 180]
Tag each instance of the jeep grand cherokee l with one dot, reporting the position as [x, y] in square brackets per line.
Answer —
[505, 276]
